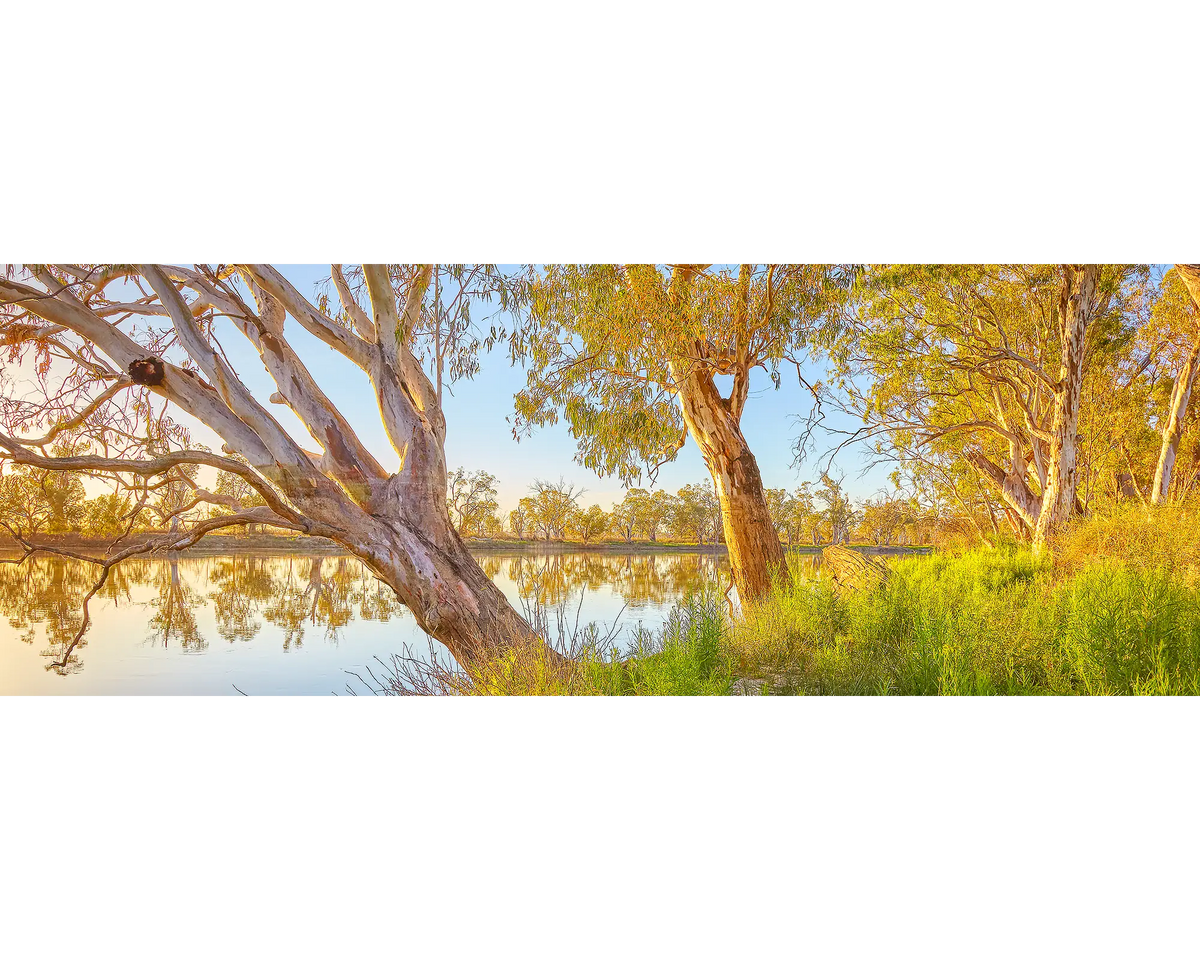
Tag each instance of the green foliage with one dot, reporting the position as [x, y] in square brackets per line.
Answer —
[643, 513]
[1130, 631]
[607, 344]
[41, 501]
[105, 515]
[684, 660]
[695, 513]
[837, 513]
[588, 525]
[954, 370]
[549, 510]
[472, 500]
[986, 622]
[519, 521]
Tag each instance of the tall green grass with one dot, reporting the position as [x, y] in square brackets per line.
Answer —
[685, 659]
[985, 622]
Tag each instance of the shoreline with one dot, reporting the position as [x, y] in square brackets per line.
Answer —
[317, 546]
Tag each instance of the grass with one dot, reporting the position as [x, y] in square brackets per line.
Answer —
[1166, 537]
[1116, 611]
[685, 658]
[1113, 609]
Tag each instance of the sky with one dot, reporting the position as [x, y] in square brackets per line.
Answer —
[479, 427]
[479, 416]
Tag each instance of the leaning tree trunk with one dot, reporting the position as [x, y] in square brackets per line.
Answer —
[398, 524]
[453, 601]
[1077, 310]
[1173, 428]
[755, 553]
[407, 537]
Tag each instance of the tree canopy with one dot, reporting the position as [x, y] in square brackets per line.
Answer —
[630, 355]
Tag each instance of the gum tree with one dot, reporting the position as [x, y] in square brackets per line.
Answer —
[590, 524]
[1177, 314]
[639, 357]
[115, 347]
[985, 364]
[649, 510]
[694, 512]
[473, 500]
[551, 505]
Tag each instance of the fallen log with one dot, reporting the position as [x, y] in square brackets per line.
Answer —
[852, 570]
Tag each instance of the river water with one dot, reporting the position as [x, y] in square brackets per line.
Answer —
[287, 624]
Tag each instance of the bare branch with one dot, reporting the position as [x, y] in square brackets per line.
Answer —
[320, 326]
[358, 316]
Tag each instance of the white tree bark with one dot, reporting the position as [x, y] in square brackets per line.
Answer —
[397, 524]
[1172, 431]
[1078, 309]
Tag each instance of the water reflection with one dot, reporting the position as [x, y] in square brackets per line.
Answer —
[185, 604]
[291, 593]
[174, 602]
[556, 579]
[45, 597]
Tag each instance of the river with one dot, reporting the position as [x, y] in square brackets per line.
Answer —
[288, 624]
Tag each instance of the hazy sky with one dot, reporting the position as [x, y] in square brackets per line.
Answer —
[479, 414]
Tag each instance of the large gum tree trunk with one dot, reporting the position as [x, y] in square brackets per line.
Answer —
[450, 596]
[1180, 396]
[1078, 308]
[1173, 429]
[755, 553]
[405, 534]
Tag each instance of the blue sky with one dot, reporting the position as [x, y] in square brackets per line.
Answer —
[479, 427]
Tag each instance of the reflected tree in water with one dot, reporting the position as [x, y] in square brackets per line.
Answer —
[639, 579]
[44, 597]
[326, 591]
[242, 586]
[174, 608]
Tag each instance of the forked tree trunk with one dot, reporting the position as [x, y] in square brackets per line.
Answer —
[755, 553]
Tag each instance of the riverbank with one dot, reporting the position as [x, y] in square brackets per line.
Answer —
[218, 544]
[212, 545]
[657, 546]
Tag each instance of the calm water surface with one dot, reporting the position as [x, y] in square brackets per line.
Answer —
[284, 624]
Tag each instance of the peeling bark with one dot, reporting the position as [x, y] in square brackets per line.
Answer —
[1020, 501]
[398, 525]
[1078, 309]
[755, 553]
